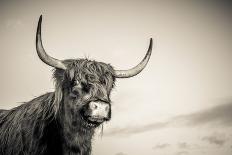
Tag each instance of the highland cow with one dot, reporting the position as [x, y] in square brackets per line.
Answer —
[63, 122]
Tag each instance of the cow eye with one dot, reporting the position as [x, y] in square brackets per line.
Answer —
[85, 87]
[75, 91]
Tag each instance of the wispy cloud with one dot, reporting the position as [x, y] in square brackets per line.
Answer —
[220, 116]
[120, 153]
[182, 153]
[134, 130]
[183, 145]
[216, 139]
[161, 146]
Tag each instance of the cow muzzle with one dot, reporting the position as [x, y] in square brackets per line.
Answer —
[95, 113]
[99, 111]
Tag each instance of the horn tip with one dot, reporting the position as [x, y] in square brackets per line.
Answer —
[151, 43]
[40, 18]
[151, 40]
[39, 25]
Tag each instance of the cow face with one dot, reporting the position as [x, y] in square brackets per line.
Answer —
[86, 92]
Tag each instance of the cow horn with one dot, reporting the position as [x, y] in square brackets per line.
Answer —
[41, 52]
[137, 69]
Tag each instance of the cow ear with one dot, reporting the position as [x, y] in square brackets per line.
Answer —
[71, 73]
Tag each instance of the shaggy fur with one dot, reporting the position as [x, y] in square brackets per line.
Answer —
[51, 124]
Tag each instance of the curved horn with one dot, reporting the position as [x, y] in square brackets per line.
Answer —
[41, 52]
[137, 69]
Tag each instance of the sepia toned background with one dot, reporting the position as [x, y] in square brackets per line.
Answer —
[181, 104]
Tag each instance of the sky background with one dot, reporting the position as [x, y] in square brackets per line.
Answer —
[181, 104]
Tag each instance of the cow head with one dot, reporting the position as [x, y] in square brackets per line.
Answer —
[84, 86]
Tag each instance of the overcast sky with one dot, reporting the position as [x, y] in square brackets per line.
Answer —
[181, 104]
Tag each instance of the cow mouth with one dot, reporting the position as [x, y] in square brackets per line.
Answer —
[91, 121]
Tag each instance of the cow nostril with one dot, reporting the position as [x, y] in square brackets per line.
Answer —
[93, 106]
[107, 108]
